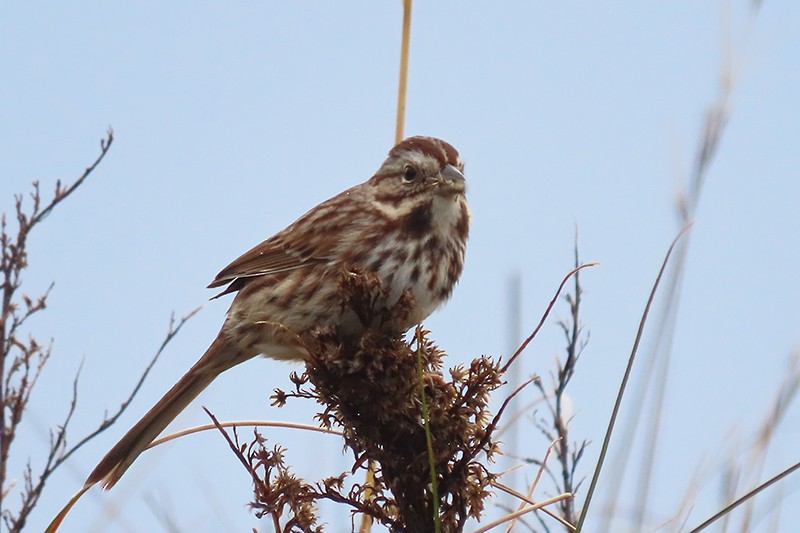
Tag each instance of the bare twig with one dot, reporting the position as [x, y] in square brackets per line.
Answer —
[557, 429]
[22, 361]
[547, 310]
[109, 421]
[234, 446]
[172, 331]
[63, 192]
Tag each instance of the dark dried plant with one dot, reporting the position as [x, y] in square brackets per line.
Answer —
[370, 387]
[22, 356]
[429, 434]
[555, 425]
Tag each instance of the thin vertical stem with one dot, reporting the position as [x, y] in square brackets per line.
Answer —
[437, 523]
[403, 84]
[366, 520]
[621, 392]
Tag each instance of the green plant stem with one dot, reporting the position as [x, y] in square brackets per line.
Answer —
[437, 524]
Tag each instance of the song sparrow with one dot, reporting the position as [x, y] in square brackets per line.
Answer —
[407, 224]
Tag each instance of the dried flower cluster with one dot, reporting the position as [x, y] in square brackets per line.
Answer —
[370, 387]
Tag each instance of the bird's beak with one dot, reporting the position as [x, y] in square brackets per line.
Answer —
[453, 180]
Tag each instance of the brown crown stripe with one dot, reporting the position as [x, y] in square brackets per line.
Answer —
[442, 151]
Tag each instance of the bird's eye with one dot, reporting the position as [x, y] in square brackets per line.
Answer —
[409, 174]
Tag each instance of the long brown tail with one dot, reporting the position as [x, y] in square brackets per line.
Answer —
[220, 356]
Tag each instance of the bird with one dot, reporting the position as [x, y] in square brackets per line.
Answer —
[408, 224]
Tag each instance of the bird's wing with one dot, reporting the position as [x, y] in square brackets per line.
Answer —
[266, 258]
[311, 239]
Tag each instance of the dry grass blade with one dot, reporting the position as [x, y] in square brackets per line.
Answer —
[56, 522]
[527, 498]
[784, 398]
[730, 507]
[623, 384]
[403, 82]
[516, 514]
[508, 490]
[243, 423]
[402, 90]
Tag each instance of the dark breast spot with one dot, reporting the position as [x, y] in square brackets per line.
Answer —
[418, 221]
[380, 260]
[432, 244]
[433, 281]
[415, 274]
[462, 227]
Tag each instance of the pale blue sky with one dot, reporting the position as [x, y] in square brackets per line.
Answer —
[232, 120]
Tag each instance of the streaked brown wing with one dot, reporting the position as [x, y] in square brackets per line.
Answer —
[309, 240]
[269, 257]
